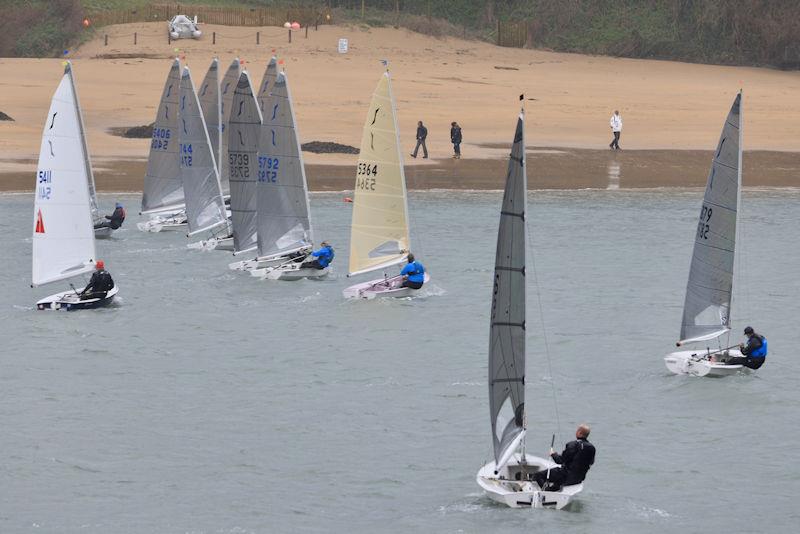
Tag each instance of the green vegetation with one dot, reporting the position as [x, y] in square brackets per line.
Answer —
[37, 28]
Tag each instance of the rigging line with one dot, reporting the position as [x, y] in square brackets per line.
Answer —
[544, 331]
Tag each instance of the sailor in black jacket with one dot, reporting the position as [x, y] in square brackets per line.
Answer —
[100, 283]
[577, 458]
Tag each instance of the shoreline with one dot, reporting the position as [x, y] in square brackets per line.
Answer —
[549, 168]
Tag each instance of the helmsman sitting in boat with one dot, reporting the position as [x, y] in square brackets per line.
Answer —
[754, 353]
[577, 458]
[413, 273]
[100, 283]
[115, 220]
[322, 257]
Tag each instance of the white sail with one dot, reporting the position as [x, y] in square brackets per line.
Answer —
[163, 190]
[507, 327]
[707, 308]
[379, 234]
[63, 234]
[227, 90]
[244, 129]
[283, 211]
[211, 105]
[92, 189]
[205, 207]
[267, 83]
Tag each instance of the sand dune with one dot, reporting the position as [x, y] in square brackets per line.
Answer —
[665, 105]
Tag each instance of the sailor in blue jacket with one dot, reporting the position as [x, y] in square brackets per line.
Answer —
[413, 273]
[754, 353]
[322, 257]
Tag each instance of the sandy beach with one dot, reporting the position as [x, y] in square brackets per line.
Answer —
[672, 111]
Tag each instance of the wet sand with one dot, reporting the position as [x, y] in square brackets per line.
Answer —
[554, 168]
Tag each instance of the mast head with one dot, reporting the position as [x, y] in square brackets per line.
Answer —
[67, 67]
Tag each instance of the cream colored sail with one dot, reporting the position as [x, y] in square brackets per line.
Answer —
[379, 232]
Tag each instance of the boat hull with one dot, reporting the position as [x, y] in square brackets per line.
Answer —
[213, 243]
[289, 272]
[103, 233]
[514, 487]
[69, 301]
[696, 363]
[381, 287]
[255, 264]
[158, 223]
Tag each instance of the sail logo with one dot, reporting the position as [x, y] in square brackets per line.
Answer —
[39, 223]
[43, 189]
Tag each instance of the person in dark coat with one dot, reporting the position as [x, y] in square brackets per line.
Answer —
[422, 134]
[115, 220]
[754, 353]
[455, 138]
[577, 458]
[100, 283]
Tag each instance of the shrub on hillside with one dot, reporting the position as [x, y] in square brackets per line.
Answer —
[40, 28]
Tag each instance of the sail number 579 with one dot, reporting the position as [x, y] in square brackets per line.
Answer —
[702, 226]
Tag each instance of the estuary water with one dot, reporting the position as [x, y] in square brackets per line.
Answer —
[206, 401]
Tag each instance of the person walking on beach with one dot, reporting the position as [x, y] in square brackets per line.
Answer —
[616, 128]
[455, 138]
[422, 134]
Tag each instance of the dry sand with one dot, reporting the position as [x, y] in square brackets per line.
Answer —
[666, 106]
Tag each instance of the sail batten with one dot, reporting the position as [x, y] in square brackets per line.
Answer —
[379, 234]
[205, 207]
[707, 306]
[63, 233]
[284, 223]
[506, 378]
[162, 182]
[243, 133]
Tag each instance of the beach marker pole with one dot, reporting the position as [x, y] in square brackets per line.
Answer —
[258, 37]
[106, 40]
[213, 37]
[134, 37]
[290, 35]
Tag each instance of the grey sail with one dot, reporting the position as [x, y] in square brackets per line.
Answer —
[211, 105]
[227, 89]
[507, 331]
[205, 207]
[283, 218]
[706, 310]
[267, 82]
[163, 190]
[244, 129]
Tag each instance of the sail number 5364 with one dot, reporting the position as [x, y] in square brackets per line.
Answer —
[365, 177]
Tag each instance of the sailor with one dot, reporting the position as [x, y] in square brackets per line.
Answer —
[100, 283]
[413, 273]
[754, 352]
[577, 458]
[322, 257]
[115, 220]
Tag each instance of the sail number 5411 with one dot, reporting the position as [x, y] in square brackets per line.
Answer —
[702, 226]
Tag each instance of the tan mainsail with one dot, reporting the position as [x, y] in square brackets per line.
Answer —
[379, 231]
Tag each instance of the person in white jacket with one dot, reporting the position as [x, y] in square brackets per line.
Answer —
[616, 128]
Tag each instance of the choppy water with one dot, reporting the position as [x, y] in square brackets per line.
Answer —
[207, 401]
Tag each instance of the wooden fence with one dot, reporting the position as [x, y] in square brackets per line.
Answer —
[513, 33]
[226, 16]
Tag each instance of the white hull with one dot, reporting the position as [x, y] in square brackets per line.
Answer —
[103, 233]
[158, 223]
[289, 272]
[255, 264]
[213, 243]
[381, 287]
[514, 486]
[69, 300]
[697, 363]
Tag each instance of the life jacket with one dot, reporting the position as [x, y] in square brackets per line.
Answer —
[760, 352]
[326, 256]
[417, 274]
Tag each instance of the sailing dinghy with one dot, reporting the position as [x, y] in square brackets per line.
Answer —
[379, 236]
[243, 131]
[285, 236]
[205, 207]
[508, 478]
[63, 231]
[707, 307]
[162, 197]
